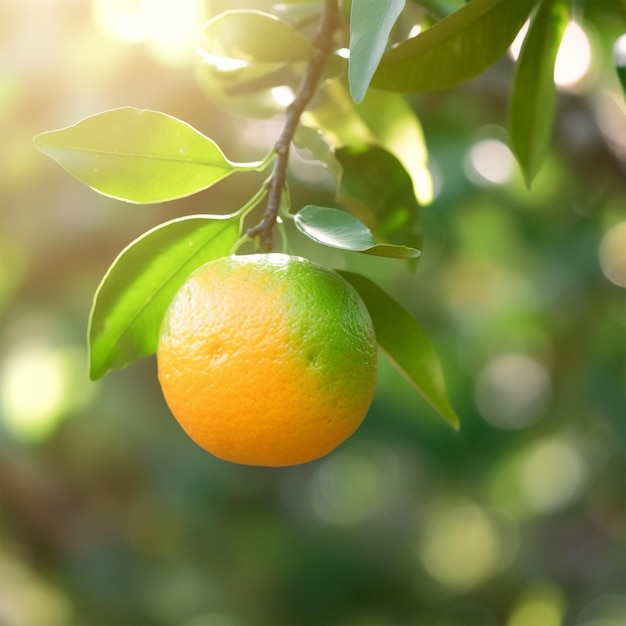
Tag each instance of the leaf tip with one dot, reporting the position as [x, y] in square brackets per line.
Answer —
[529, 170]
[454, 422]
[38, 141]
[356, 91]
[529, 177]
[96, 368]
[95, 372]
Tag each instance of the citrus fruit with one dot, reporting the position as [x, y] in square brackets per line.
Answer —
[267, 359]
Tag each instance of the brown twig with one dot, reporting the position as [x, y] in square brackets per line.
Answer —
[322, 47]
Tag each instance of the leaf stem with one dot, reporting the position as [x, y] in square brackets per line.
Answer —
[253, 201]
[322, 47]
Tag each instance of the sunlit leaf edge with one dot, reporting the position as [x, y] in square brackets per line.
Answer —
[300, 46]
[43, 142]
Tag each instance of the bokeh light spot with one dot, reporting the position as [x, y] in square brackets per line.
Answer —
[536, 612]
[221, 64]
[351, 486]
[516, 46]
[573, 59]
[416, 29]
[513, 390]
[463, 545]
[489, 162]
[283, 94]
[613, 254]
[27, 598]
[609, 610]
[541, 605]
[552, 474]
[619, 51]
[38, 387]
[168, 27]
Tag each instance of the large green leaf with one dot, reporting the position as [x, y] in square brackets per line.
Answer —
[138, 155]
[338, 229]
[406, 345]
[455, 49]
[135, 293]
[398, 130]
[531, 110]
[382, 118]
[371, 22]
[378, 190]
[253, 36]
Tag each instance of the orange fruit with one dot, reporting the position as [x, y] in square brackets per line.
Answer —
[267, 359]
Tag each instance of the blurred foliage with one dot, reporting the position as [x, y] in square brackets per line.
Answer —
[110, 515]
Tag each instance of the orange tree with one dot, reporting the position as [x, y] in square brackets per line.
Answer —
[337, 72]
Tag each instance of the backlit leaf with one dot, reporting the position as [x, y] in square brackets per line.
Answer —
[378, 190]
[138, 155]
[247, 91]
[405, 344]
[454, 49]
[135, 293]
[531, 110]
[398, 130]
[338, 229]
[253, 36]
[311, 139]
[371, 22]
[382, 118]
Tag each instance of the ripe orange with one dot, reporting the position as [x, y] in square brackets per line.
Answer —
[267, 359]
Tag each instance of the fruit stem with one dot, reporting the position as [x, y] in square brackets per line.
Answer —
[323, 45]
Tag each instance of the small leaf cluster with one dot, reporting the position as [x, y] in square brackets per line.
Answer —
[356, 124]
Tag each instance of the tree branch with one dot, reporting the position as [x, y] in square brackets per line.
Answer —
[322, 47]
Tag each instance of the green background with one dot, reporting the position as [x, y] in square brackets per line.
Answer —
[110, 515]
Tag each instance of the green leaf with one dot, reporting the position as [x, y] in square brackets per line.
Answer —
[338, 229]
[310, 139]
[136, 291]
[398, 130]
[533, 96]
[382, 118]
[138, 155]
[247, 91]
[371, 22]
[377, 189]
[406, 345]
[455, 49]
[253, 36]
[434, 8]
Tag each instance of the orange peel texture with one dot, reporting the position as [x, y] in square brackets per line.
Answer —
[267, 359]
